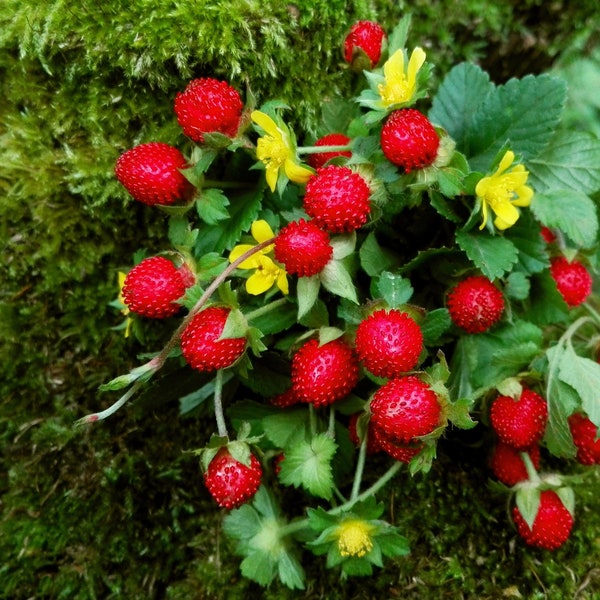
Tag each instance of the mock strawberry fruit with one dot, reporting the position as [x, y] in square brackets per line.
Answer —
[409, 140]
[152, 288]
[208, 105]
[373, 445]
[552, 525]
[285, 399]
[508, 466]
[338, 199]
[520, 423]
[318, 160]
[573, 280]
[400, 451]
[364, 41]
[475, 304]
[389, 342]
[405, 408]
[200, 343]
[230, 482]
[151, 173]
[303, 248]
[585, 435]
[548, 235]
[322, 374]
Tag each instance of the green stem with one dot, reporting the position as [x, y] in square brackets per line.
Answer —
[331, 427]
[312, 417]
[263, 310]
[218, 403]
[319, 149]
[531, 471]
[360, 466]
[593, 312]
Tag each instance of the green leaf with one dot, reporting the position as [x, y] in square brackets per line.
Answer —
[290, 571]
[394, 289]
[517, 286]
[336, 115]
[307, 292]
[533, 252]
[343, 245]
[524, 113]
[283, 426]
[192, 400]
[547, 306]
[336, 279]
[181, 234]
[210, 265]
[277, 320]
[528, 503]
[374, 258]
[435, 324]
[573, 213]
[459, 413]
[236, 325]
[307, 464]
[211, 206]
[492, 255]
[397, 38]
[460, 94]
[571, 162]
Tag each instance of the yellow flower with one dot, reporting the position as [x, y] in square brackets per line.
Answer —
[354, 537]
[400, 85]
[277, 151]
[125, 309]
[504, 191]
[267, 273]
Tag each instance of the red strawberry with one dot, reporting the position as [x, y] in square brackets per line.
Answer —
[372, 444]
[338, 199]
[405, 408]
[200, 343]
[323, 374]
[548, 235]
[585, 438]
[409, 140]
[573, 280]
[208, 105]
[151, 174]
[552, 525]
[389, 342]
[364, 38]
[285, 399]
[316, 161]
[520, 423]
[399, 451]
[475, 304]
[230, 482]
[152, 288]
[303, 248]
[508, 466]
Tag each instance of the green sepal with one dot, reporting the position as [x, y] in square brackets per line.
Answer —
[527, 499]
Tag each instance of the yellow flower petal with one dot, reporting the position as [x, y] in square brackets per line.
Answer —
[261, 231]
[258, 283]
[296, 172]
[393, 68]
[525, 195]
[271, 173]
[263, 120]
[507, 160]
[417, 59]
[249, 263]
[282, 282]
[506, 214]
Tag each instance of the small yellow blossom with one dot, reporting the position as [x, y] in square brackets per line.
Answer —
[400, 86]
[267, 273]
[125, 309]
[503, 191]
[276, 150]
[354, 537]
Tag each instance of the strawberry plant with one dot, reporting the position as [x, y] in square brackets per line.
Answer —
[426, 264]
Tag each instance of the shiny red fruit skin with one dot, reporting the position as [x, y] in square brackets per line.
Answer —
[151, 174]
[520, 423]
[573, 280]
[230, 482]
[318, 160]
[367, 36]
[405, 408]
[200, 343]
[323, 374]
[584, 434]
[475, 304]
[508, 466]
[303, 248]
[208, 105]
[152, 287]
[338, 199]
[409, 140]
[400, 451]
[389, 342]
[552, 525]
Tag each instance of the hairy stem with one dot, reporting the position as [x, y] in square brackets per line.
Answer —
[218, 403]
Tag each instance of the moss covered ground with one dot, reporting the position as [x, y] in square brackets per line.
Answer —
[119, 510]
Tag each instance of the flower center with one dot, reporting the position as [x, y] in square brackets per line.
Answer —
[396, 92]
[354, 538]
[271, 150]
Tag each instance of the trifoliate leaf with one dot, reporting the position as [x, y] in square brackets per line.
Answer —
[493, 255]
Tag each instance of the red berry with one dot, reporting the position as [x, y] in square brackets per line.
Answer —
[200, 343]
[573, 280]
[151, 174]
[285, 399]
[409, 140]
[372, 443]
[230, 482]
[585, 438]
[208, 105]
[548, 235]
[552, 525]
[520, 423]
[399, 451]
[389, 342]
[364, 37]
[405, 408]
[316, 161]
[338, 199]
[303, 248]
[475, 304]
[508, 466]
[323, 374]
[152, 288]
